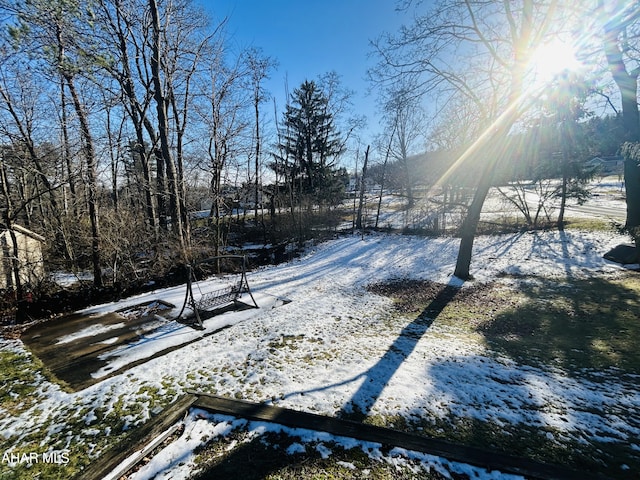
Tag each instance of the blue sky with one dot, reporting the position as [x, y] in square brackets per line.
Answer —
[311, 37]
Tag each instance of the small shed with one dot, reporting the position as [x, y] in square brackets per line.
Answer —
[27, 250]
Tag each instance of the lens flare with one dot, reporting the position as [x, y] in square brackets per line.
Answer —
[550, 60]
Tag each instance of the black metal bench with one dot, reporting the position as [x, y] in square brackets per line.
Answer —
[218, 298]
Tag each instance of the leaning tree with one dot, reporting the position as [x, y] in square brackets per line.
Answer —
[481, 51]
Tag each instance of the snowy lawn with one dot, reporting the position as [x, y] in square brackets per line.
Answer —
[464, 365]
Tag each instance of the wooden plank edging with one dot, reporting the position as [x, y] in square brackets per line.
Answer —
[490, 460]
[137, 439]
[141, 438]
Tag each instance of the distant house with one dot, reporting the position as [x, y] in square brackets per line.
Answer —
[28, 254]
[608, 165]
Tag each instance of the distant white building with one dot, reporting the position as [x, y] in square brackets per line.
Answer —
[30, 264]
[608, 165]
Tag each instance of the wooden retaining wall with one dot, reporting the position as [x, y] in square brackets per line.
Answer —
[490, 460]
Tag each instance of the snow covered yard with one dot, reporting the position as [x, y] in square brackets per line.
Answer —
[340, 349]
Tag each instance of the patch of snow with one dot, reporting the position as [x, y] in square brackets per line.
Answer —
[172, 334]
[178, 462]
[323, 451]
[90, 331]
[296, 448]
[348, 465]
[178, 457]
[65, 279]
[108, 341]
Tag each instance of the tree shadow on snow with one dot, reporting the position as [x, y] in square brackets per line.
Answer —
[526, 413]
[258, 458]
[377, 377]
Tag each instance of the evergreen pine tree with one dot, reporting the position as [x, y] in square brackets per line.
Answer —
[312, 144]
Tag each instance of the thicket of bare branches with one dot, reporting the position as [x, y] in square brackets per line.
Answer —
[122, 119]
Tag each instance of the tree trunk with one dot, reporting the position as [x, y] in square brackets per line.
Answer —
[114, 155]
[181, 192]
[92, 180]
[13, 253]
[150, 209]
[491, 145]
[627, 83]
[565, 172]
[256, 105]
[470, 224]
[142, 152]
[384, 170]
[632, 186]
[137, 115]
[67, 150]
[163, 131]
[563, 201]
[362, 186]
[489, 148]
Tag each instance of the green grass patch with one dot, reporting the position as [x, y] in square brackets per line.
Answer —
[266, 458]
[79, 431]
[77, 454]
[514, 224]
[589, 224]
[19, 375]
[585, 324]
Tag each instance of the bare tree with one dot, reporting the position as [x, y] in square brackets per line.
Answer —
[51, 30]
[188, 44]
[124, 42]
[359, 224]
[479, 50]
[222, 108]
[404, 114]
[162, 100]
[383, 173]
[259, 67]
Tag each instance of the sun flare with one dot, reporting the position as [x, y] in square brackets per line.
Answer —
[551, 59]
